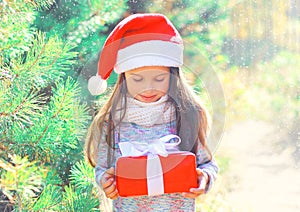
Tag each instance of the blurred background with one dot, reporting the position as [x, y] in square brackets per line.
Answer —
[49, 48]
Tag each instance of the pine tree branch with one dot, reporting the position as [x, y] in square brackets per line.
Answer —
[55, 59]
[54, 116]
[41, 136]
[42, 51]
[38, 57]
[3, 114]
[42, 56]
[60, 107]
[12, 143]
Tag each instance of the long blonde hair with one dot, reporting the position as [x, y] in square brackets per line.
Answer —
[190, 127]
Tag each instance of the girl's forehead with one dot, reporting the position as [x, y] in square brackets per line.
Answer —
[149, 70]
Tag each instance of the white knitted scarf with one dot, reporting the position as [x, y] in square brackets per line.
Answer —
[147, 114]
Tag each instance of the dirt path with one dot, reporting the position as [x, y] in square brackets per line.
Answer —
[263, 175]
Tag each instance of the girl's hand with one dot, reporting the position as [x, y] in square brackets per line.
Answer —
[203, 179]
[108, 184]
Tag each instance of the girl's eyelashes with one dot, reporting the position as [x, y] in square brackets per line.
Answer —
[159, 79]
[141, 79]
[137, 79]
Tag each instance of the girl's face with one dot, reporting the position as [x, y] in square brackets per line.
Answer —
[148, 84]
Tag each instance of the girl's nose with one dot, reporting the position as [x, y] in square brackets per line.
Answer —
[148, 86]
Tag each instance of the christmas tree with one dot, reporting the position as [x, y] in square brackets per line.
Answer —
[43, 117]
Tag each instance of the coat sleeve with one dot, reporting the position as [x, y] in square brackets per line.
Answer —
[101, 165]
[207, 165]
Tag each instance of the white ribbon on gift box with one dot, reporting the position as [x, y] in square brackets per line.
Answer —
[155, 181]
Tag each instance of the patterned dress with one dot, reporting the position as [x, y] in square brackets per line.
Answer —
[165, 202]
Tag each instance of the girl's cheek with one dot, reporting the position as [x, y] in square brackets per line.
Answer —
[135, 88]
[163, 86]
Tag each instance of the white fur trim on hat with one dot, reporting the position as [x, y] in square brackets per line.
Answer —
[97, 85]
[149, 53]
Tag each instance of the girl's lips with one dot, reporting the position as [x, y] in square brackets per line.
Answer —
[148, 97]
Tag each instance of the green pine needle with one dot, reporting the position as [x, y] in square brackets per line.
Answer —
[82, 175]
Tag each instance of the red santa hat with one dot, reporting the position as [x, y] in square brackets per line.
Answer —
[137, 41]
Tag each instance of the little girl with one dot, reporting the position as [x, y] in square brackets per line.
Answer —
[150, 100]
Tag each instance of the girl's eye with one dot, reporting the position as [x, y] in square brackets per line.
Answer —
[137, 79]
[160, 79]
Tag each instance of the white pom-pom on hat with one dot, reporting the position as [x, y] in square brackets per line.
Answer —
[97, 85]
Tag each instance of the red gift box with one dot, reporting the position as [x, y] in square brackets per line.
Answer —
[178, 169]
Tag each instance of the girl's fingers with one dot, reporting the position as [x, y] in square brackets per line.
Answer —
[113, 195]
[110, 171]
[203, 178]
[197, 191]
[193, 194]
[110, 189]
[189, 195]
[107, 177]
[199, 172]
[202, 184]
[107, 182]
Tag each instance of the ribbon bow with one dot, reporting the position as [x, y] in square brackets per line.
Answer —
[157, 147]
